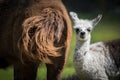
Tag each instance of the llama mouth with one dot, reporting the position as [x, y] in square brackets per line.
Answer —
[82, 37]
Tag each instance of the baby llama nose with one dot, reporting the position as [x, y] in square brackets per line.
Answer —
[82, 33]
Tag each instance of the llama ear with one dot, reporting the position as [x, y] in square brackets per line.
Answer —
[74, 17]
[96, 20]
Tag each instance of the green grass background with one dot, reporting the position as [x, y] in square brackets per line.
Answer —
[107, 29]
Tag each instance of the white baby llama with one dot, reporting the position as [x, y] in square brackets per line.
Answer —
[99, 61]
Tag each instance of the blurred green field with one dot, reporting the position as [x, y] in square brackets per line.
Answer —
[107, 29]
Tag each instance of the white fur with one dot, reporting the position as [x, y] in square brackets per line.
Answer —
[92, 62]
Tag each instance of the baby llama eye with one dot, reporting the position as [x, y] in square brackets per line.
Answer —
[77, 30]
[88, 30]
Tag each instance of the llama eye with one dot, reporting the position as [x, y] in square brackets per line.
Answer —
[88, 30]
[77, 30]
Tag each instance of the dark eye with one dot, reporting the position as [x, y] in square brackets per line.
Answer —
[77, 30]
[88, 29]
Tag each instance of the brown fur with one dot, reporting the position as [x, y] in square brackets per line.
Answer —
[34, 31]
[40, 33]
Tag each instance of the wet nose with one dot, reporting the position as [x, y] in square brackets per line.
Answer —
[82, 33]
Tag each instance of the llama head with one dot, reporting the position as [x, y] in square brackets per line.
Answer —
[83, 27]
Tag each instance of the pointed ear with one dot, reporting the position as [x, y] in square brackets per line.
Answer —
[74, 17]
[96, 20]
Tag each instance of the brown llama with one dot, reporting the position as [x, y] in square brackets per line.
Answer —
[31, 32]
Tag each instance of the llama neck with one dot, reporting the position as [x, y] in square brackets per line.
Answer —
[83, 46]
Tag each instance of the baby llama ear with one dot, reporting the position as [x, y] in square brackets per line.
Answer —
[96, 20]
[74, 17]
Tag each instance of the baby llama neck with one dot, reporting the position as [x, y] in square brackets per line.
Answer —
[83, 46]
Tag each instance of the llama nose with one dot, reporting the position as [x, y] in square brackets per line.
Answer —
[82, 33]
